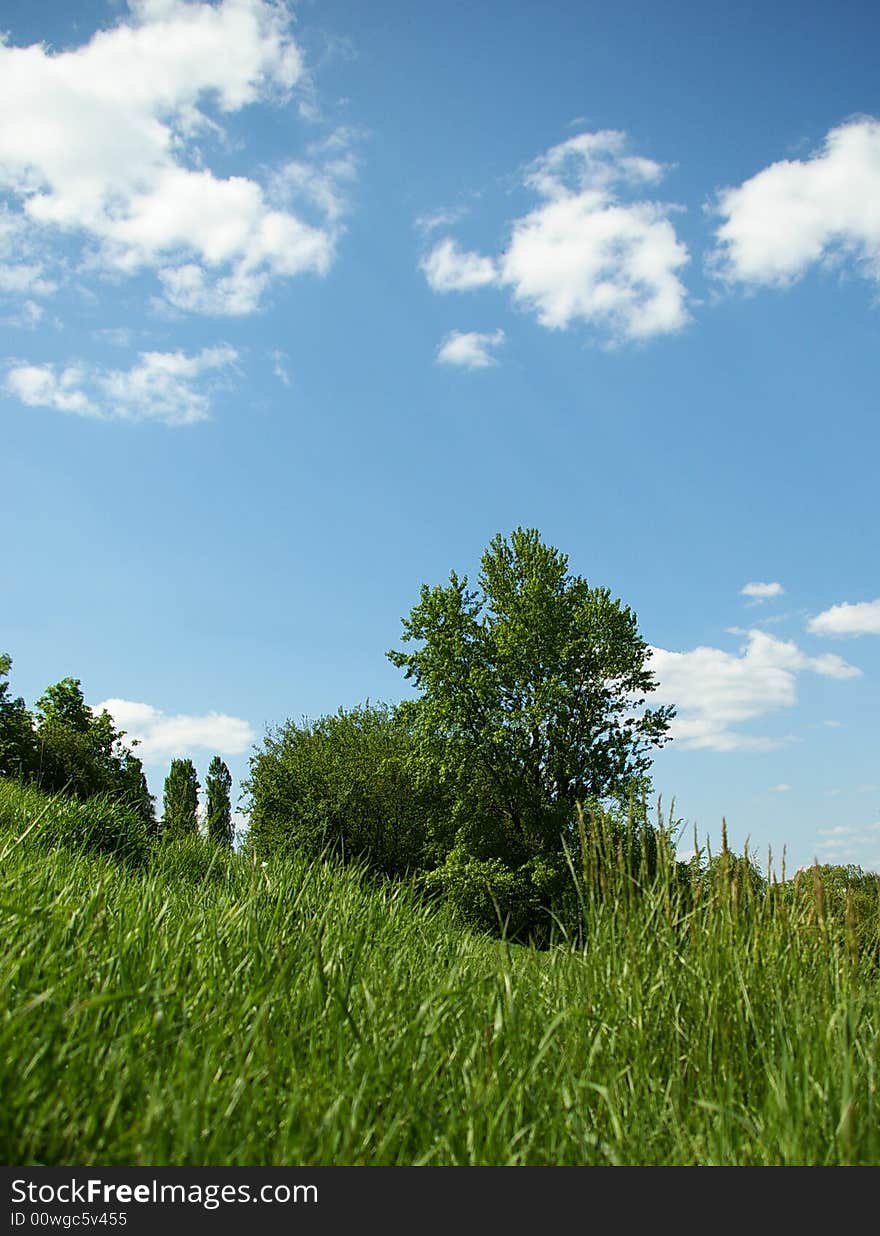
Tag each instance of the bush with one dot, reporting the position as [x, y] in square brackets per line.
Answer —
[347, 784]
[486, 895]
[845, 898]
[99, 825]
[609, 853]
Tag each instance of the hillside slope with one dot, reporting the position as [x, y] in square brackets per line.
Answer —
[189, 1007]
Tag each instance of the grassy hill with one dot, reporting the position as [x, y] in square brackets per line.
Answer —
[181, 1005]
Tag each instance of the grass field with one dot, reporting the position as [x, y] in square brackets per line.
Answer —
[189, 1007]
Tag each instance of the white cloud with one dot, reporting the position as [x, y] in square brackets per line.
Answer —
[469, 349]
[861, 618]
[279, 366]
[321, 179]
[162, 386]
[797, 212]
[161, 737]
[21, 279]
[762, 592]
[118, 336]
[106, 143]
[438, 218]
[714, 690]
[28, 316]
[449, 269]
[584, 255]
[782, 788]
[856, 844]
[22, 270]
[38, 387]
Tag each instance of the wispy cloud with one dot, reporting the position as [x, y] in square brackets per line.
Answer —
[28, 317]
[469, 349]
[431, 222]
[169, 387]
[118, 336]
[279, 366]
[858, 844]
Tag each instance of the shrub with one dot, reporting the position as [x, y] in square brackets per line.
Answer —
[100, 825]
[346, 783]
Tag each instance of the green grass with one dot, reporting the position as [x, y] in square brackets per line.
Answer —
[198, 1009]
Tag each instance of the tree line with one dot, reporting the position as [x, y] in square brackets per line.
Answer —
[65, 747]
[517, 782]
[517, 776]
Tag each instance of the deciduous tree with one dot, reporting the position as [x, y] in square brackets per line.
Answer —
[533, 688]
[17, 741]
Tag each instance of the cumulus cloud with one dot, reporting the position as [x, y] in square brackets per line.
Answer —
[782, 788]
[38, 386]
[798, 212]
[861, 618]
[105, 143]
[161, 736]
[162, 386]
[585, 254]
[450, 269]
[715, 690]
[469, 349]
[761, 592]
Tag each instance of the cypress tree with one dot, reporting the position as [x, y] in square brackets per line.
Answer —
[219, 808]
[181, 801]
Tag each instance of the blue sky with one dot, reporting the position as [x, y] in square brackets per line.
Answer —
[301, 305]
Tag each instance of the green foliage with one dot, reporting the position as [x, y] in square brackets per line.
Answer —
[345, 783]
[218, 808]
[68, 749]
[842, 898]
[132, 790]
[532, 699]
[613, 853]
[727, 874]
[99, 825]
[181, 801]
[81, 753]
[17, 742]
[195, 860]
